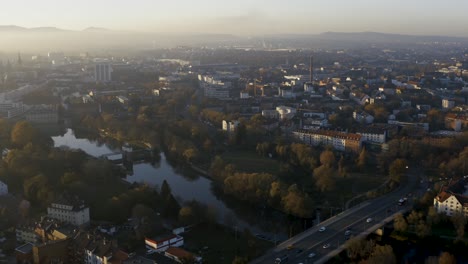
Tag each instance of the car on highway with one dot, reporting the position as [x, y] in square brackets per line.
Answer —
[311, 255]
[322, 229]
[326, 245]
[369, 220]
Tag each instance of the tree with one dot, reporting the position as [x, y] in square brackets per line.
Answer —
[240, 260]
[324, 178]
[400, 223]
[362, 160]
[447, 258]
[382, 255]
[190, 154]
[327, 158]
[397, 169]
[165, 190]
[22, 133]
[296, 202]
[459, 222]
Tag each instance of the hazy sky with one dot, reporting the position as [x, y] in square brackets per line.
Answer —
[442, 17]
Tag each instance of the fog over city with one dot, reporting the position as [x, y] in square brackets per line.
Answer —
[151, 24]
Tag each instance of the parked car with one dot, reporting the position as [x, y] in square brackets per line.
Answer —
[322, 229]
[326, 245]
[311, 255]
[369, 220]
[347, 233]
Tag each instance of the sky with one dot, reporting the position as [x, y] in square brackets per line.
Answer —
[244, 17]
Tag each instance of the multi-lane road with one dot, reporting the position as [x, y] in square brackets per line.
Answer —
[358, 220]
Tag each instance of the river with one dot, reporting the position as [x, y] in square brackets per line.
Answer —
[183, 188]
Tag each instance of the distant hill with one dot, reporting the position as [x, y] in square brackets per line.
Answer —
[96, 29]
[387, 37]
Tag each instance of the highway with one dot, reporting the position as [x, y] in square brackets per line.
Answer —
[298, 248]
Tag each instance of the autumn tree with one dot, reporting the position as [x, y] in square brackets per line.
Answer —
[324, 178]
[447, 258]
[397, 169]
[400, 223]
[382, 255]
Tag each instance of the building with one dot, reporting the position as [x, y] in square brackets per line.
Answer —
[3, 188]
[230, 126]
[363, 117]
[180, 255]
[448, 104]
[456, 122]
[27, 234]
[285, 112]
[42, 115]
[372, 134]
[453, 199]
[103, 72]
[341, 141]
[69, 210]
[162, 243]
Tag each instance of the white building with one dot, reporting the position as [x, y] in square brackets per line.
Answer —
[373, 134]
[285, 112]
[448, 104]
[453, 199]
[162, 243]
[338, 140]
[103, 72]
[70, 210]
[230, 126]
[3, 188]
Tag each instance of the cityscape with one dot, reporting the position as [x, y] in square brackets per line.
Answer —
[252, 132]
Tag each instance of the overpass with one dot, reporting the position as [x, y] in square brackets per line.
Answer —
[327, 244]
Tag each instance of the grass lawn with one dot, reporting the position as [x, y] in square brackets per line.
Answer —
[352, 186]
[217, 244]
[250, 161]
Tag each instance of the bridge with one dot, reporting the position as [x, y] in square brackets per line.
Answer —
[315, 246]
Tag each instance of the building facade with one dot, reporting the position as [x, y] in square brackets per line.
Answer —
[338, 140]
[453, 199]
[103, 72]
[69, 210]
[161, 244]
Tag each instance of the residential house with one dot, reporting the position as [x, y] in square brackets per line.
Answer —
[453, 199]
[363, 117]
[456, 121]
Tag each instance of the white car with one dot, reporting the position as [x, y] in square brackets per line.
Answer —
[347, 233]
[311, 255]
[369, 220]
[326, 245]
[322, 229]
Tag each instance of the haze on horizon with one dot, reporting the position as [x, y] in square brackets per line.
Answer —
[244, 17]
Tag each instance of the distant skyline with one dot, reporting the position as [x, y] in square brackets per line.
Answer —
[244, 17]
